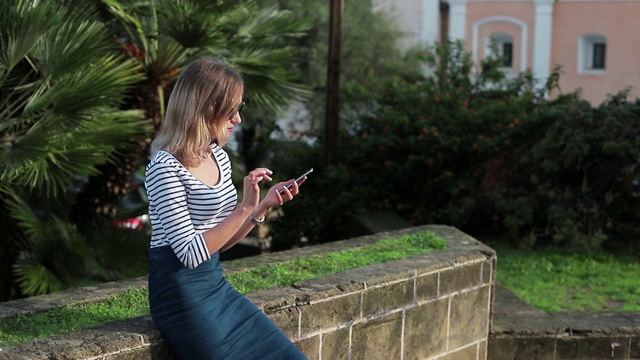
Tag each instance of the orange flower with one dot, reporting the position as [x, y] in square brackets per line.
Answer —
[387, 163]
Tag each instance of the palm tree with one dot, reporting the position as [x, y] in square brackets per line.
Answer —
[61, 85]
[164, 35]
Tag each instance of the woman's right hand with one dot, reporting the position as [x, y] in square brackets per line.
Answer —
[251, 184]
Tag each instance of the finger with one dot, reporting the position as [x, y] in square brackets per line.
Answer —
[286, 186]
[301, 181]
[261, 172]
[279, 197]
[294, 189]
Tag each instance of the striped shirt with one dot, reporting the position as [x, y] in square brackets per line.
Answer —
[181, 207]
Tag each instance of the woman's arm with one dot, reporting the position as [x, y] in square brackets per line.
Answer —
[273, 198]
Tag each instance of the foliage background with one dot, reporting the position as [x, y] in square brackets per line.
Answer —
[497, 158]
[423, 133]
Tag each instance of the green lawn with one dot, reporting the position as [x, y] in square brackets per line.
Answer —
[554, 280]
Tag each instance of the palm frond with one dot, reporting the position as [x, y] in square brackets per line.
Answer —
[34, 278]
[23, 24]
[53, 255]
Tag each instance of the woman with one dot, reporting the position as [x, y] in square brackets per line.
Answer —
[195, 214]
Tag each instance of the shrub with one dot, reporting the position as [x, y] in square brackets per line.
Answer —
[491, 156]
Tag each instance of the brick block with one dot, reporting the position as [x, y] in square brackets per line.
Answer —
[467, 353]
[460, 277]
[469, 320]
[591, 348]
[330, 313]
[288, 320]
[377, 339]
[510, 348]
[426, 287]
[335, 345]
[482, 350]
[488, 271]
[425, 331]
[388, 297]
[310, 347]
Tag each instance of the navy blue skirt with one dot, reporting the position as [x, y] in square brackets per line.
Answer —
[203, 317]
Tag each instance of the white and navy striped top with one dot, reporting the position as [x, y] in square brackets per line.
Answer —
[181, 207]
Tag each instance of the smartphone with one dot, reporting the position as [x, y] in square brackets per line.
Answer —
[297, 179]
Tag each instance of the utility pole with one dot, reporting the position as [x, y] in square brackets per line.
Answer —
[333, 82]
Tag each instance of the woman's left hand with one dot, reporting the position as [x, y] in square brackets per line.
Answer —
[283, 192]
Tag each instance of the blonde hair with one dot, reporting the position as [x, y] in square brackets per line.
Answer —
[199, 106]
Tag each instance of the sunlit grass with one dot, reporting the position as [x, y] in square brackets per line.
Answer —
[554, 280]
[23, 328]
[134, 303]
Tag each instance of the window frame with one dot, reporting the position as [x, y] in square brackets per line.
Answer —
[501, 39]
[588, 63]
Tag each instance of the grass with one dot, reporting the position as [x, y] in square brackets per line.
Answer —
[134, 303]
[555, 281]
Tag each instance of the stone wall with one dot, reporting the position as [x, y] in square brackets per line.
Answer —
[432, 306]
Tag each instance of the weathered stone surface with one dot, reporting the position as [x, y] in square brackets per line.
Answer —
[488, 271]
[591, 348]
[460, 277]
[597, 323]
[426, 287]
[288, 320]
[330, 313]
[387, 298]
[329, 286]
[634, 348]
[310, 347]
[276, 298]
[330, 308]
[466, 353]
[377, 339]
[482, 349]
[469, 319]
[426, 329]
[335, 345]
[512, 348]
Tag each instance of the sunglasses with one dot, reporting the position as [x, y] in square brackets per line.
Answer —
[236, 111]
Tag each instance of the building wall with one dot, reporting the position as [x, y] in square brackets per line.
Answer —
[513, 18]
[618, 21]
[556, 41]
[419, 19]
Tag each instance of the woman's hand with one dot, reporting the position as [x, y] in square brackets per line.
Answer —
[283, 192]
[251, 194]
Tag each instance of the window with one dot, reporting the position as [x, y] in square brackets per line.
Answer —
[501, 45]
[507, 54]
[599, 51]
[592, 54]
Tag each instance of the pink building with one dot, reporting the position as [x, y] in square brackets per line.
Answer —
[597, 42]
